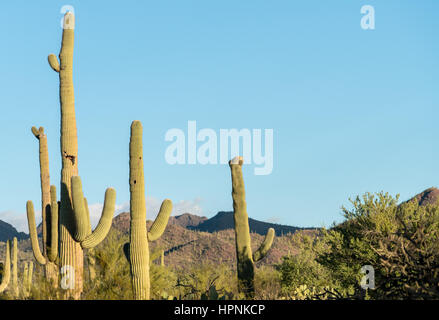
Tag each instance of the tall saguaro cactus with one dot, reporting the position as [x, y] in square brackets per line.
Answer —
[6, 268]
[48, 233]
[244, 255]
[139, 236]
[74, 221]
[70, 251]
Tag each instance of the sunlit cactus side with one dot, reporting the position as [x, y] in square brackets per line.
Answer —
[244, 255]
[6, 278]
[14, 280]
[70, 251]
[74, 231]
[48, 233]
[139, 236]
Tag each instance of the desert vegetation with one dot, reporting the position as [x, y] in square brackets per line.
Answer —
[400, 240]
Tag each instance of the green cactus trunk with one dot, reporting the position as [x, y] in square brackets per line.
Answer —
[70, 251]
[74, 221]
[139, 237]
[244, 256]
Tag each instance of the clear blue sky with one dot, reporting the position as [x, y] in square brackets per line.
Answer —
[352, 110]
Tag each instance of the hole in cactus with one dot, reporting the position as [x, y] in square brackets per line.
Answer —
[135, 181]
[71, 158]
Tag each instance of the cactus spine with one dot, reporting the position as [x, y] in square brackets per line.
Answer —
[74, 222]
[48, 220]
[6, 268]
[245, 258]
[139, 237]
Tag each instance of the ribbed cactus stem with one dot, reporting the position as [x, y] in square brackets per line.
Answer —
[14, 282]
[44, 180]
[245, 258]
[160, 223]
[139, 248]
[6, 268]
[74, 221]
[42, 255]
[70, 251]
[82, 222]
[84, 235]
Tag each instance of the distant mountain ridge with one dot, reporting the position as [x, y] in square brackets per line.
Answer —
[223, 220]
[429, 196]
[7, 231]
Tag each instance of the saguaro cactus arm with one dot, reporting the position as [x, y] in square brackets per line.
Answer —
[37, 132]
[33, 233]
[160, 223]
[82, 221]
[82, 233]
[53, 62]
[104, 224]
[265, 246]
[6, 268]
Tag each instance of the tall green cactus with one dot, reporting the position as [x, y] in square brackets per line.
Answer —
[48, 233]
[70, 251]
[139, 236]
[245, 258]
[74, 221]
[6, 268]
